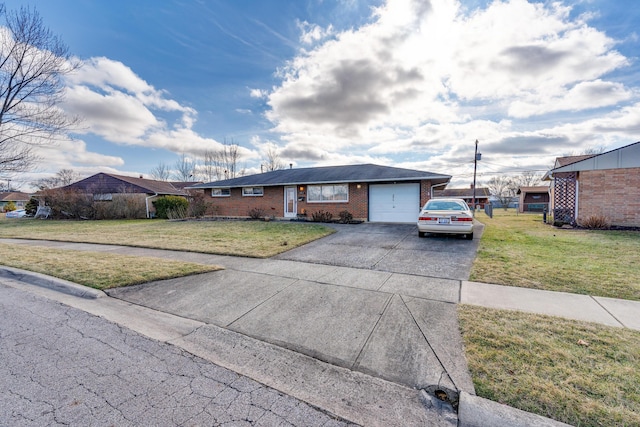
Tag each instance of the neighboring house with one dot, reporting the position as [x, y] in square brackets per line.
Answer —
[18, 198]
[482, 195]
[108, 187]
[533, 199]
[604, 184]
[368, 192]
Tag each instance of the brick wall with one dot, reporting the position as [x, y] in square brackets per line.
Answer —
[613, 193]
[357, 205]
[272, 202]
[237, 205]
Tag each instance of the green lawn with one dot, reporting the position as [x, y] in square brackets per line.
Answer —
[242, 238]
[96, 269]
[580, 373]
[520, 250]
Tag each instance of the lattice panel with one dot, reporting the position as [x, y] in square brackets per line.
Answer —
[564, 197]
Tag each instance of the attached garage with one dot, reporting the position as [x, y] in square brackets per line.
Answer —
[394, 202]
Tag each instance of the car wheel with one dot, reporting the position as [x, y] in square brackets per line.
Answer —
[469, 236]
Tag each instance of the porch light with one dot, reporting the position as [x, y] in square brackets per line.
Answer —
[359, 186]
[301, 188]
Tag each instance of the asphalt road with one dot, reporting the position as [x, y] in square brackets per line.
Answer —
[63, 366]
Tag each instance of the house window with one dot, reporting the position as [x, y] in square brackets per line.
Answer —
[220, 192]
[328, 193]
[102, 197]
[253, 191]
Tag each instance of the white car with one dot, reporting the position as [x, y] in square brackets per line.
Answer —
[18, 213]
[446, 216]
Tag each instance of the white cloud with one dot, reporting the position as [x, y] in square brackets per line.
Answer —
[423, 80]
[311, 33]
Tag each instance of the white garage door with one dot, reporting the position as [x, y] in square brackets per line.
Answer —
[394, 202]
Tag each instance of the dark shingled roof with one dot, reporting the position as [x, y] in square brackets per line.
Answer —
[328, 175]
[111, 183]
[481, 192]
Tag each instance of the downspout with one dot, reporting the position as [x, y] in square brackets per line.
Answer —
[146, 204]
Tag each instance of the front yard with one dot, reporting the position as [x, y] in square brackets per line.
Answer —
[520, 250]
[240, 238]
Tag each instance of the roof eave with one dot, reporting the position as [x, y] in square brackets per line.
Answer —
[444, 178]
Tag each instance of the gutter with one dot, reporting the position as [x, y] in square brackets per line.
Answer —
[437, 185]
[146, 203]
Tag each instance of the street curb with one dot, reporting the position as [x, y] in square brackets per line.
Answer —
[474, 411]
[49, 282]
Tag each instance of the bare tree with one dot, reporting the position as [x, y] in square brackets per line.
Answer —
[503, 188]
[33, 62]
[528, 179]
[185, 169]
[272, 161]
[222, 163]
[60, 179]
[161, 172]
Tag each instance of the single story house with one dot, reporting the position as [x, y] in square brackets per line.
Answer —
[107, 187]
[482, 195]
[597, 185]
[18, 198]
[533, 199]
[368, 192]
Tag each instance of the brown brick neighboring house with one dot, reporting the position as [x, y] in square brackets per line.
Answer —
[368, 192]
[18, 198]
[482, 195]
[107, 187]
[606, 184]
[533, 199]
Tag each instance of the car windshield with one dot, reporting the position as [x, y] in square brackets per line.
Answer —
[444, 205]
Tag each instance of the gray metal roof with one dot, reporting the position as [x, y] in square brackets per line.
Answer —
[620, 158]
[328, 175]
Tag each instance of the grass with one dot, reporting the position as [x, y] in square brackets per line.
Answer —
[520, 250]
[579, 373]
[96, 269]
[240, 238]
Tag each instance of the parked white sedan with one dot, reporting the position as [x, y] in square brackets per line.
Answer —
[446, 216]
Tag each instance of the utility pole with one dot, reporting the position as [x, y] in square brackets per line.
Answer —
[476, 157]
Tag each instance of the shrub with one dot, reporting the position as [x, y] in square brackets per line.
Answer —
[595, 222]
[255, 213]
[69, 204]
[10, 207]
[122, 206]
[321, 216]
[170, 205]
[32, 206]
[197, 205]
[345, 217]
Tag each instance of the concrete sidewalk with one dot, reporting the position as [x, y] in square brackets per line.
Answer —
[286, 323]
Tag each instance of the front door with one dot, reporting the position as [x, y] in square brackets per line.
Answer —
[290, 202]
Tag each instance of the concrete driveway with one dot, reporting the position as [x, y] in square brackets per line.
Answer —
[392, 247]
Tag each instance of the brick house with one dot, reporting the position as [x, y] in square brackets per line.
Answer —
[106, 187]
[482, 195]
[368, 192]
[606, 184]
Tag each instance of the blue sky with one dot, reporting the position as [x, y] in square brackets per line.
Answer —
[402, 83]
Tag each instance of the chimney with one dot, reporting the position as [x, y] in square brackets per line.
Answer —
[471, 186]
[141, 177]
[290, 165]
